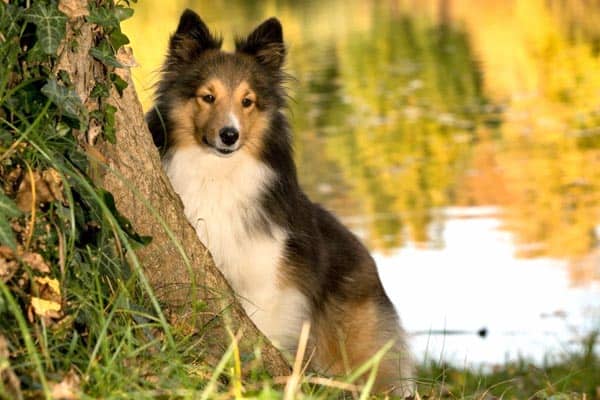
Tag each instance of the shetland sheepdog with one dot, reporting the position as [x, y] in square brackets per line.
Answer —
[219, 120]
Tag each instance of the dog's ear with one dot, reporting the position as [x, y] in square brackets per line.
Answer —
[265, 43]
[191, 38]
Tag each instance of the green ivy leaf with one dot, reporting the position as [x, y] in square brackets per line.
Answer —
[9, 16]
[50, 25]
[138, 240]
[118, 39]
[65, 99]
[120, 83]
[109, 123]
[104, 17]
[101, 90]
[105, 54]
[7, 236]
[127, 2]
[62, 129]
[8, 209]
[123, 13]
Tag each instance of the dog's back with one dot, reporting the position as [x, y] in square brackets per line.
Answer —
[219, 118]
[352, 316]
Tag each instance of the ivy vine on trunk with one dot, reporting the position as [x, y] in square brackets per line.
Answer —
[85, 209]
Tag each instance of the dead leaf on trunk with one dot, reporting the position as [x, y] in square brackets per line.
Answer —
[73, 8]
[125, 57]
[94, 130]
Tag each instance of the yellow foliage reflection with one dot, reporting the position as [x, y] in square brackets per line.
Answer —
[402, 108]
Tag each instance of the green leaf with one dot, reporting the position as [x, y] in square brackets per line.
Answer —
[105, 54]
[8, 209]
[127, 2]
[123, 13]
[101, 90]
[3, 305]
[50, 25]
[118, 39]
[62, 129]
[9, 17]
[64, 77]
[120, 83]
[104, 17]
[137, 239]
[109, 123]
[7, 236]
[65, 99]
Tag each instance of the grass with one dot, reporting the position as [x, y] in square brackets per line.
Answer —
[77, 318]
[572, 376]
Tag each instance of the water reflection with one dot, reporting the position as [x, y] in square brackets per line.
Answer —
[408, 97]
[405, 108]
[527, 306]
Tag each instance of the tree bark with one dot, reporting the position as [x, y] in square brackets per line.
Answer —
[131, 170]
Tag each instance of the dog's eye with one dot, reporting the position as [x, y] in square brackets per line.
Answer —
[208, 98]
[246, 102]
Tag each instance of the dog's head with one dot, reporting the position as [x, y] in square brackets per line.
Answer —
[218, 100]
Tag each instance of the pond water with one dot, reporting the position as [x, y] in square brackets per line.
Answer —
[460, 139]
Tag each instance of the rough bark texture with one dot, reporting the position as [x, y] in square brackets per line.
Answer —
[131, 171]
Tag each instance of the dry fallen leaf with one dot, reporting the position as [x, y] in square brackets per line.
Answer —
[36, 261]
[12, 178]
[54, 182]
[45, 308]
[48, 288]
[3, 348]
[8, 379]
[48, 187]
[8, 264]
[25, 192]
[73, 8]
[47, 303]
[7, 269]
[68, 388]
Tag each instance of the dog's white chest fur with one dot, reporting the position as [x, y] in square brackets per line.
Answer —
[221, 197]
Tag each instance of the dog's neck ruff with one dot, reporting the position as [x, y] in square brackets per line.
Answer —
[221, 198]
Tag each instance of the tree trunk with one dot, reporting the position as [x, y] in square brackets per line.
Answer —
[179, 268]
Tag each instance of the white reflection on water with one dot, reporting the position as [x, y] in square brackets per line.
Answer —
[475, 281]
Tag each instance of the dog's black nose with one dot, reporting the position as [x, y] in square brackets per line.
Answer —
[229, 135]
